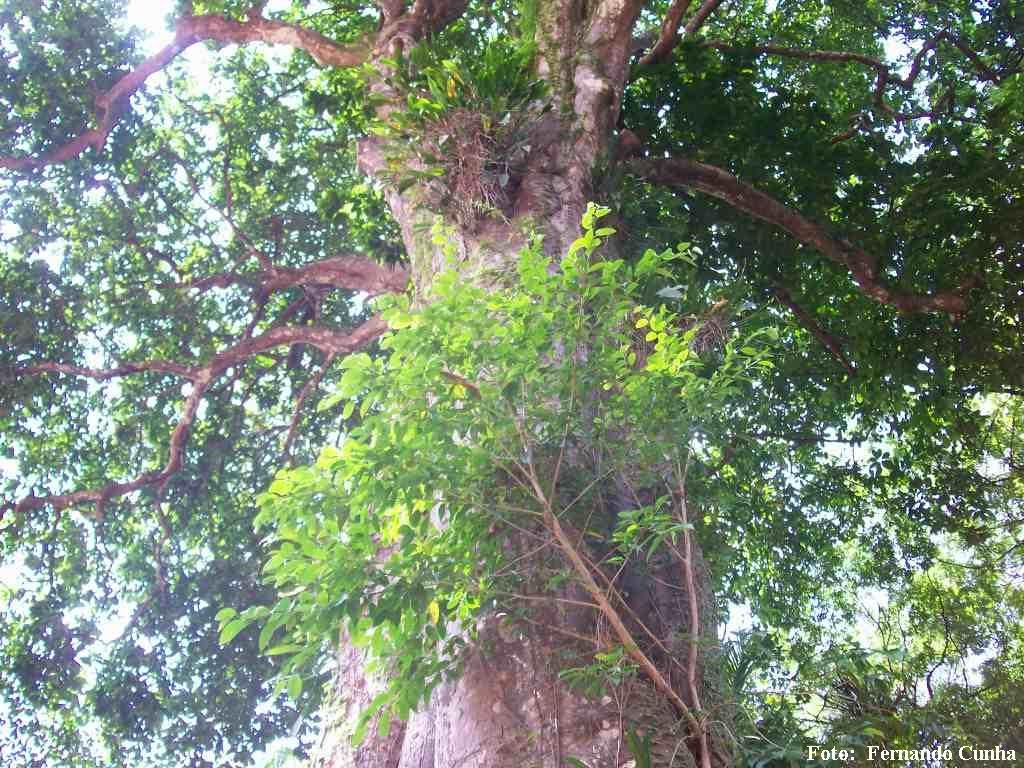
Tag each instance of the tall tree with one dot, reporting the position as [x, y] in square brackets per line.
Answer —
[559, 455]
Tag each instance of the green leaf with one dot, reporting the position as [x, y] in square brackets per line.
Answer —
[268, 631]
[279, 650]
[231, 629]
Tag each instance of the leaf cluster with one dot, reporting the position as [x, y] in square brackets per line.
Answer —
[465, 129]
[400, 537]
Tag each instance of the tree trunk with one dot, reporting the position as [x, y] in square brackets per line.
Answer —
[510, 707]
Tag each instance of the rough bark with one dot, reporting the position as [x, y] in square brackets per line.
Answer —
[509, 708]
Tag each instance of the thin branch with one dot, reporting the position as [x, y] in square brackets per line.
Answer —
[463, 382]
[106, 374]
[300, 401]
[594, 641]
[330, 341]
[669, 36]
[884, 75]
[551, 599]
[625, 637]
[707, 8]
[190, 30]
[252, 250]
[883, 70]
[552, 523]
[830, 342]
[686, 562]
[717, 182]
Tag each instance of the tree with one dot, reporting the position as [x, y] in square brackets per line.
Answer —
[572, 450]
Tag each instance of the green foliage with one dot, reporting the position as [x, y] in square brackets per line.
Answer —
[497, 82]
[466, 128]
[812, 488]
[392, 534]
[640, 748]
[85, 42]
[610, 668]
[95, 258]
[645, 530]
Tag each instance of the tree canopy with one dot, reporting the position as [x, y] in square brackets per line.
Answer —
[811, 245]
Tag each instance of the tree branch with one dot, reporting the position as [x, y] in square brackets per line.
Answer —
[300, 401]
[884, 75]
[883, 69]
[438, 14]
[349, 272]
[402, 28]
[106, 374]
[225, 216]
[191, 30]
[830, 342]
[714, 181]
[669, 35]
[707, 8]
[686, 563]
[330, 341]
[552, 523]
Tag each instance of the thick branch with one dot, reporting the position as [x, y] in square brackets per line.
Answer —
[402, 28]
[669, 36]
[714, 181]
[330, 341]
[354, 273]
[349, 272]
[191, 30]
[438, 14]
[327, 340]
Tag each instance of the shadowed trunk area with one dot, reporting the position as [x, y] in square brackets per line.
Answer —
[512, 706]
